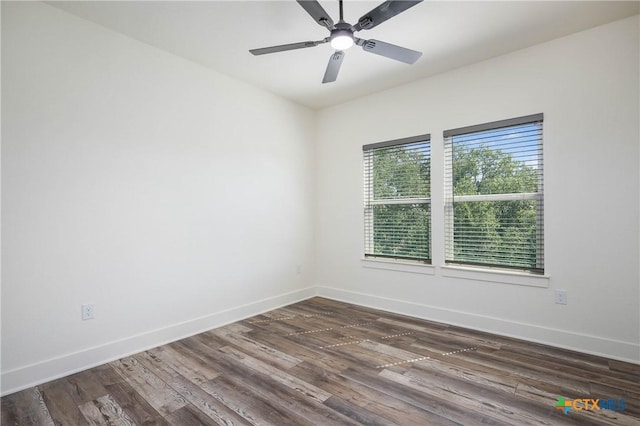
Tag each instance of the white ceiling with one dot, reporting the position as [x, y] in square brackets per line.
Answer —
[218, 35]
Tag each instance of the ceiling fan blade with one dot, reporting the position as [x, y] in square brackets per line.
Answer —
[385, 11]
[285, 47]
[331, 74]
[316, 11]
[389, 50]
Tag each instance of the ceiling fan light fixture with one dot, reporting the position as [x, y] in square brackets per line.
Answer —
[341, 39]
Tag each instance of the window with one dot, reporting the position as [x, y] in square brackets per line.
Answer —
[494, 195]
[397, 201]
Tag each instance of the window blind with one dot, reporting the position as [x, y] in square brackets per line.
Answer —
[397, 199]
[494, 205]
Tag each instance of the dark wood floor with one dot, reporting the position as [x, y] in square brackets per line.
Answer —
[321, 362]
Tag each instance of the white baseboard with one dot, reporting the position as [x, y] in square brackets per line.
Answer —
[594, 345]
[54, 368]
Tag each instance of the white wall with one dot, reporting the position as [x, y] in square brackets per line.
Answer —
[587, 87]
[125, 171]
[174, 198]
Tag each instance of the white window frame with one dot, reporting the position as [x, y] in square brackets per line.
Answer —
[370, 202]
[450, 199]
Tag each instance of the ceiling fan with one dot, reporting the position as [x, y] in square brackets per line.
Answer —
[342, 35]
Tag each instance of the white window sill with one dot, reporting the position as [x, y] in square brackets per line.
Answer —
[399, 265]
[495, 276]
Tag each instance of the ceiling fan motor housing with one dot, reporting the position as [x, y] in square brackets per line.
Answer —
[342, 29]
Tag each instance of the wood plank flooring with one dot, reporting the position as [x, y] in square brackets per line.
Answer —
[322, 362]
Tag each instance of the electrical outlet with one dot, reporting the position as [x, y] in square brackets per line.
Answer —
[561, 297]
[88, 311]
[298, 269]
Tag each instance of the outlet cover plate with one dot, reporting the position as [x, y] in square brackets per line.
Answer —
[560, 297]
[88, 311]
